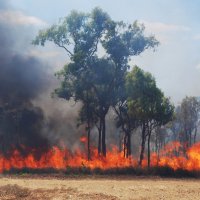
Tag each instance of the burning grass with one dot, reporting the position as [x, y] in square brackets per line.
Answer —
[171, 162]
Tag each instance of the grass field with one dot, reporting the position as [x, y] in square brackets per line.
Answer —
[97, 187]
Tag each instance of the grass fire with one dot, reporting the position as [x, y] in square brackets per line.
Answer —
[96, 95]
[58, 158]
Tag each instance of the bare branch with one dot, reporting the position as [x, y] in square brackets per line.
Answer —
[62, 46]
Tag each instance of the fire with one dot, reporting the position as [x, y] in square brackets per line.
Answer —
[171, 155]
[174, 157]
[83, 139]
[61, 158]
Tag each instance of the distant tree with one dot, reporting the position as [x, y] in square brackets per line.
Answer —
[176, 126]
[160, 138]
[188, 115]
[81, 36]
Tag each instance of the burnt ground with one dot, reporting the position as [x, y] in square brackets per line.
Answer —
[97, 188]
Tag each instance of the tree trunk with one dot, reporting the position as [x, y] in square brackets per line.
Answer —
[99, 142]
[88, 131]
[125, 146]
[143, 144]
[190, 137]
[120, 142]
[149, 151]
[195, 134]
[104, 136]
[88, 127]
[186, 139]
[157, 146]
[128, 148]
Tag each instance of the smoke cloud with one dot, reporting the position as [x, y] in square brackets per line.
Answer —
[22, 78]
[29, 118]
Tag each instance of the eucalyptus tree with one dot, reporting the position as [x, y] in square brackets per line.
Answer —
[188, 115]
[147, 105]
[85, 37]
[124, 121]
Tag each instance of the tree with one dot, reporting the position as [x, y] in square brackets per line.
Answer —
[87, 115]
[161, 134]
[163, 113]
[124, 121]
[81, 35]
[189, 119]
[146, 104]
[127, 125]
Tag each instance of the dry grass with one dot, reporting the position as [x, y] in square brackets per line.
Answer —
[94, 188]
[15, 192]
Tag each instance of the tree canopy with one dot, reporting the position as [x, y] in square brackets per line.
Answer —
[90, 78]
[144, 105]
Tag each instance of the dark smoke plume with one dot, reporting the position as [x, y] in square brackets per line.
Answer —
[22, 78]
[29, 117]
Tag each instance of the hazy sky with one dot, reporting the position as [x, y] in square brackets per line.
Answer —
[175, 23]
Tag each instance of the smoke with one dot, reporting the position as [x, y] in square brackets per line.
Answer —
[29, 117]
[22, 78]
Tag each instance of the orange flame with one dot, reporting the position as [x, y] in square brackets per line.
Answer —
[61, 158]
[83, 139]
[171, 155]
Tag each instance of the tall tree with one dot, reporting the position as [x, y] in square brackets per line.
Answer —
[82, 36]
[146, 104]
[127, 124]
[124, 119]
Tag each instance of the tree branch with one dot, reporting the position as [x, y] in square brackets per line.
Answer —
[62, 46]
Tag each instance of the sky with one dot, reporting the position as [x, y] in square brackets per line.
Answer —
[175, 23]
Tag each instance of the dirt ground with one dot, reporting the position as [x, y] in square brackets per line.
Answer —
[95, 188]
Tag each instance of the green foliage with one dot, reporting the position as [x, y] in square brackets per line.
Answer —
[190, 109]
[186, 121]
[125, 40]
[80, 34]
[145, 101]
[97, 82]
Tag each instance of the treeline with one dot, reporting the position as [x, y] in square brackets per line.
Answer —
[99, 76]
[183, 128]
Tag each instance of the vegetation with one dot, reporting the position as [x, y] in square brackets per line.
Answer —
[99, 76]
[147, 106]
[165, 172]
